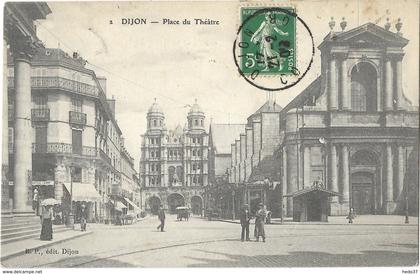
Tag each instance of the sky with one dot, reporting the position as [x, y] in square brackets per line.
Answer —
[177, 64]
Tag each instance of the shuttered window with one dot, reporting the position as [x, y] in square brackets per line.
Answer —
[77, 141]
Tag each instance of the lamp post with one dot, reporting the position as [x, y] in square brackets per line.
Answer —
[71, 215]
[406, 188]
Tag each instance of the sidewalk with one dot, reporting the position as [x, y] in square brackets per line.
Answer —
[18, 248]
[341, 220]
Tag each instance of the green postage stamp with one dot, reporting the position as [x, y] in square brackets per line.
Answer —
[267, 41]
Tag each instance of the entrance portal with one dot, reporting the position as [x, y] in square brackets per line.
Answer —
[362, 193]
[154, 204]
[175, 200]
[196, 205]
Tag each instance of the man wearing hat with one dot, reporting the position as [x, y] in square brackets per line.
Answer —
[83, 218]
[245, 217]
[259, 223]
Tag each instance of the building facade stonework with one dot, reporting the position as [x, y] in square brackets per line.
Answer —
[174, 163]
[351, 131]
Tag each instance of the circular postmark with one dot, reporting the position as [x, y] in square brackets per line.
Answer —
[266, 50]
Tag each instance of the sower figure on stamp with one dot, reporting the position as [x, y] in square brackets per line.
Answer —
[259, 223]
[265, 36]
[161, 216]
[245, 218]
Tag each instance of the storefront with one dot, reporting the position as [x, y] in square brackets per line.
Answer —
[83, 194]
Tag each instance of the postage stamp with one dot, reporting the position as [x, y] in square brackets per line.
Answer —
[266, 50]
[268, 41]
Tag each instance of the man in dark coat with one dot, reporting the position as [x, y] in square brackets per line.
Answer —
[245, 217]
[161, 216]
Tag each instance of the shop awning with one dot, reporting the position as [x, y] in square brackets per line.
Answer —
[83, 192]
[136, 208]
[118, 205]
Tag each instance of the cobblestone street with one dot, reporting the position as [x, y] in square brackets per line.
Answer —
[200, 243]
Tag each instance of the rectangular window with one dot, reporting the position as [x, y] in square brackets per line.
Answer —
[76, 104]
[77, 141]
[39, 101]
[41, 134]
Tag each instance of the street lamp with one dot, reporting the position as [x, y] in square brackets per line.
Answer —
[70, 222]
[406, 188]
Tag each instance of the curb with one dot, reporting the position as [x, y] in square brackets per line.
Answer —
[326, 223]
[45, 245]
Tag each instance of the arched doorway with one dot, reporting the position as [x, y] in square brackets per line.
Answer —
[363, 193]
[364, 88]
[175, 200]
[154, 204]
[196, 205]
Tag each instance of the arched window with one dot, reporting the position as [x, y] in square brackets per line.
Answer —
[171, 173]
[198, 152]
[154, 123]
[196, 122]
[201, 122]
[153, 154]
[363, 88]
[193, 152]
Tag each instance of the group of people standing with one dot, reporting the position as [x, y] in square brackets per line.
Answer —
[246, 217]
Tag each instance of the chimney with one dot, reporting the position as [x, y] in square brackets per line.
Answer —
[102, 83]
[111, 103]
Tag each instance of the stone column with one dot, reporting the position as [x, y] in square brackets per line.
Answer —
[345, 174]
[306, 166]
[345, 92]
[399, 93]
[5, 208]
[23, 131]
[59, 180]
[389, 198]
[388, 85]
[333, 172]
[333, 102]
[292, 176]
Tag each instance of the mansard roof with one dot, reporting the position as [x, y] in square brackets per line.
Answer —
[367, 33]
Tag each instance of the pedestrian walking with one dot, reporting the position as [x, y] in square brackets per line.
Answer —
[83, 218]
[245, 218]
[259, 223]
[161, 216]
[46, 220]
[351, 215]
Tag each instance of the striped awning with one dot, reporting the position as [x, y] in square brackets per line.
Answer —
[83, 192]
[136, 208]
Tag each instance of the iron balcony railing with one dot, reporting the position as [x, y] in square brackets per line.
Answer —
[55, 82]
[104, 156]
[78, 118]
[62, 148]
[40, 115]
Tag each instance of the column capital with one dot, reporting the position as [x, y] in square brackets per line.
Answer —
[339, 55]
[23, 48]
[394, 56]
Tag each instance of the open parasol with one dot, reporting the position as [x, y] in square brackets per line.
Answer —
[50, 202]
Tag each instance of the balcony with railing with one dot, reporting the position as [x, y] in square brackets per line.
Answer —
[104, 156]
[78, 118]
[55, 82]
[40, 115]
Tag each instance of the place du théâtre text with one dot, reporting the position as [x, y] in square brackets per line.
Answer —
[166, 21]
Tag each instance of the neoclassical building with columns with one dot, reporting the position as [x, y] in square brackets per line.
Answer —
[353, 129]
[174, 163]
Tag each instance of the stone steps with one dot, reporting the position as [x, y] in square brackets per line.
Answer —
[21, 228]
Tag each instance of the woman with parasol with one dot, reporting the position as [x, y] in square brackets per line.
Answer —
[46, 219]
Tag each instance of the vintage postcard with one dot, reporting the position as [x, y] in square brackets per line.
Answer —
[210, 134]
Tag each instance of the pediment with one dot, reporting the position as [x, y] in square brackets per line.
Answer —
[367, 35]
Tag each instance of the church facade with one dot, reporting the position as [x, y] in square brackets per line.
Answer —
[354, 126]
[174, 163]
